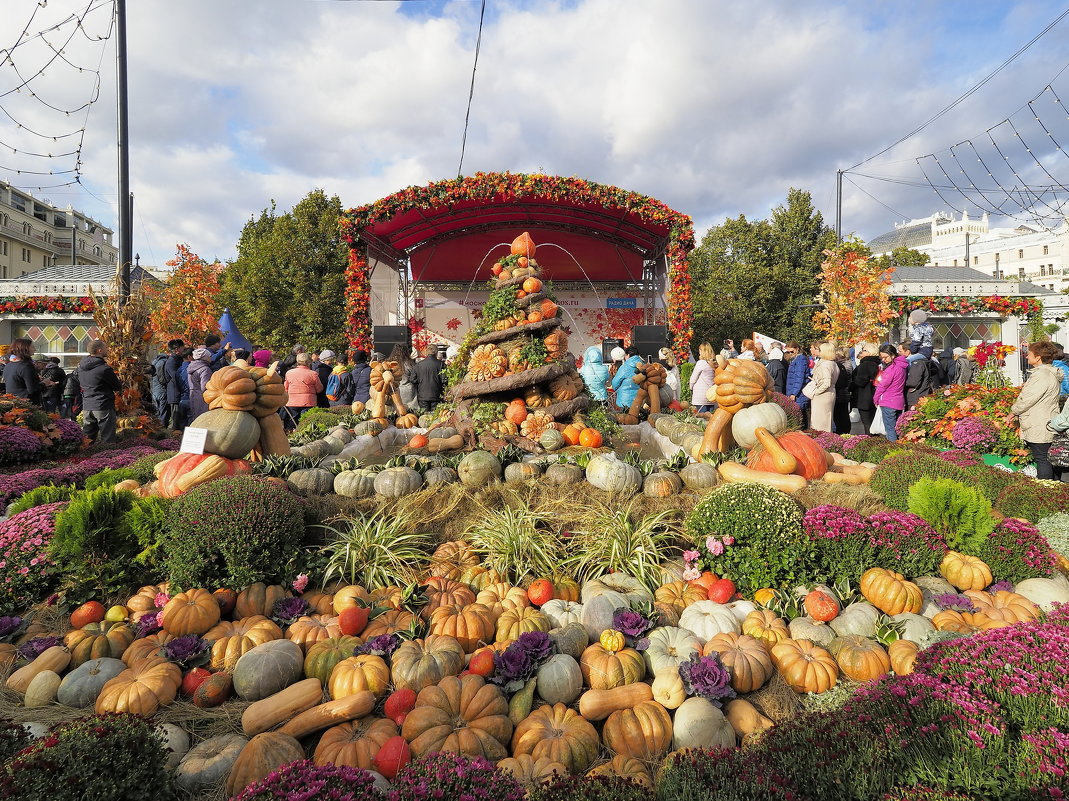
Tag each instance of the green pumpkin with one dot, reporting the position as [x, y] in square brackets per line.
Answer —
[268, 668]
[354, 483]
[80, 687]
[661, 484]
[230, 434]
[444, 432]
[334, 444]
[518, 472]
[368, 428]
[699, 476]
[342, 433]
[313, 481]
[664, 424]
[551, 439]
[324, 655]
[609, 474]
[478, 469]
[439, 475]
[395, 482]
[562, 475]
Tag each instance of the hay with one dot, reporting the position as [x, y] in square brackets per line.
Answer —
[860, 498]
[203, 724]
[776, 700]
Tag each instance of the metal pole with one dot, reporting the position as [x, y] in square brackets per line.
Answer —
[126, 236]
[839, 206]
[966, 248]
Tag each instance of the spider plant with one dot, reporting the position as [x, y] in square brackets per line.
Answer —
[618, 541]
[448, 460]
[513, 542]
[677, 462]
[282, 466]
[341, 465]
[717, 458]
[509, 454]
[375, 550]
[310, 434]
[632, 457]
[583, 459]
[646, 467]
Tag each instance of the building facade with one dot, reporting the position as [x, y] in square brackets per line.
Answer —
[35, 235]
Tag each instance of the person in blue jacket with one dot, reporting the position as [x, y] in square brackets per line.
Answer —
[798, 373]
[625, 388]
[595, 374]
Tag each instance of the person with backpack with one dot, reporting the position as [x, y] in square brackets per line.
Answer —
[158, 384]
[863, 381]
[324, 368]
[172, 383]
[361, 374]
[1061, 365]
[72, 397]
[53, 393]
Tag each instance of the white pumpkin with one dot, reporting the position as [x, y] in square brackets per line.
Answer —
[627, 586]
[740, 609]
[561, 613]
[42, 689]
[858, 618]
[559, 680]
[1043, 592]
[609, 474]
[596, 615]
[916, 626]
[670, 645]
[698, 723]
[761, 415]
[176, 741]
[805, 628]
[708, 618]
[668, 689]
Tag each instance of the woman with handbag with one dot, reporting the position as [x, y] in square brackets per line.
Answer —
[821, 389]
[1038, 403]
[890, 393]
[1058, 455]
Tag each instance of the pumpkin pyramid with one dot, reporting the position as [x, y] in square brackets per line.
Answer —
[518, 353]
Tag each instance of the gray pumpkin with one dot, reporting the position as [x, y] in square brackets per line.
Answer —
[368, 428]
[316, 449]
[572, 640]
[313, 481]
[342, 433]
[805, 628]
[598, 611]
[396, 482]
[610, 474]
[916, 627]
[354, 483]
[661, 484]
[519, 472]
[699, 476]
[176, 741]
[268, 668]
[858, 618]
[80, 687]
[562, 475]
[231, 434]
[208, 763]
[334, 444]
[444, 432]
[439, 475]
[478, 469]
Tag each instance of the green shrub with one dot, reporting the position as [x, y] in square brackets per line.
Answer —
[751, 534]
[109, 477]
[685, 371]
[143, 467]
[144, 522]
[1032, 500]
[39, 496]
[115, 757]
[894, 476]
[991, 481]
[231, 532]
[322, 418]
[1056, 529]
[960, 513]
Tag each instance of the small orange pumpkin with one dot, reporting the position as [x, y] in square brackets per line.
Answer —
[419, 441]
[590, 438]
[532, 285]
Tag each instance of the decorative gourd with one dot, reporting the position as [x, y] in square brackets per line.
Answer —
[396, 482]
[860, 658]
[524, 245]
[821, 606]
[668, 646]
[561, 613]
[231, 640]
[700, 476]
[708, 618]
[354, 743]
[141, 689]
[263, 754]
[746, 660]
[662, 484]
[590, 437]
[259, 599]
[529, 771]
[1004, 605]
[604, 669]
[571, 639]
[268, 668]
[465, 715]
[560, 680]
[903, 655]
[231, 388]
[187, 470]
[98, 640]
[811, 459]
[478, 468]
[668, 689]
[559, 734]
[630, 588]
[769, 416]
[418, 664]
[311, 481]
[191, 612]
[270, 711]
[806, 667]
[471, 625]
[42, 689]
[80, 687]
[322, 657]
[208, 763]
[774, 455]
[609, 474]
[487, 362]
[552, 439]
[890, 592]
[965, 572]
[514, 622]
[734, 473]
[536, 424]
[230, 434]
[214, 691]
[965, 622]
[643, 732]
[699, 724]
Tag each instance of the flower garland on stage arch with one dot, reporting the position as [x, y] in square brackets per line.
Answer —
[519, 185]
[993, 304]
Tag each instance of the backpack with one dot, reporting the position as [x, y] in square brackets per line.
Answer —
[1061, 365]
[333, 385]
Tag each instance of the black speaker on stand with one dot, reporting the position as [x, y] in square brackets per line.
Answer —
[387, 336]
[648, 340]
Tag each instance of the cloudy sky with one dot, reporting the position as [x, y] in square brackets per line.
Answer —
[715, 107]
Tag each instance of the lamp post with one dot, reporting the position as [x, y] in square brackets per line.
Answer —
[126, 201]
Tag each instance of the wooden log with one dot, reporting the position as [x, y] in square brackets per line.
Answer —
[508, 383]
[527, 300]
[566, 409]
[516, 281]
[541, 327]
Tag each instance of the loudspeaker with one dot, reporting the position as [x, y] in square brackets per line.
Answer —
[606, 349]
[387, 336]
[648, 340]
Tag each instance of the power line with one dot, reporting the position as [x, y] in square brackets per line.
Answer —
[471, 91]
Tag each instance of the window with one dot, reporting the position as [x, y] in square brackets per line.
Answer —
[3, 248]
[1020, 254]
[998, 273]
[3, 270]
[1042, 269]
[1020, 272]
[975, 260]
[1046, 250]
[955, 262]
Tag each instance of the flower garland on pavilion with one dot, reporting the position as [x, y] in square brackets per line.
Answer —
[520, 185]
[46, 304]
[993, 304]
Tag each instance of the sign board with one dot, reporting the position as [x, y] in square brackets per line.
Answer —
[194, 440]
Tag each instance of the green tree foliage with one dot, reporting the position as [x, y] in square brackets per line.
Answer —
[760, 275]
[287, 284]
[903, 257]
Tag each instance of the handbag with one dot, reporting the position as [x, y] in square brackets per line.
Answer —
[809, 389]
[877, 426]
[1058, 455]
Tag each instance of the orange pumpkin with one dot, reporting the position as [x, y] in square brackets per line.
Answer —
[860, 658]
[187, 470]
[764, 625]
[419, 441]
[523, 245]
[821, 606]
[643, 732]
[516, 412]
[358, 673]
[805, 666]
[465, 715]
[534, 317]
[557, 733]
[354, 743]
[191, 612]
[306, 631]
[890, 592]
[903, 655]
[548, 308]
[812, 459]
[590, 438]
[141, 689]
[472, 625]
[532, 285]
[745, 657]
[571, 433]
[680, 594]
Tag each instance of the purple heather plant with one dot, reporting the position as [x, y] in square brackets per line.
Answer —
[833, 443]
[961, 458]
[828, 522]
[287, 610]
[24, 561]
[306, 781]
[904, 421]
[31, 649]
[446, 776]
[187, 650]
[19, 445]
[974, 433]
[12, 485]
[382, 645]
[1016, 551]
[906, 543]
[707, 677]
[999, 586]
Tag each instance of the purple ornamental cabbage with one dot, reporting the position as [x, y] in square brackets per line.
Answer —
[287, 610]
[149, 624]
[382, 645]
[31, 649]
[186, 650]
[9, 625]
[707, 677]
[535, 644]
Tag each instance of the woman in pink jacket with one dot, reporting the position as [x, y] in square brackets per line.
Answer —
[890, 394]
[302, 384]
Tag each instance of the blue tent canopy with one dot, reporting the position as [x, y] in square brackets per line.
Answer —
[229, 332]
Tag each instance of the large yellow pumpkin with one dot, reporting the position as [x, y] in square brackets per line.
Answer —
[890, 592]
[965, 572]
[860, 658]
[746, 659]
[465, 715]
[642, 732]
[141, 689]
[359, 673]
[190, 612]
[604, 669]
[559, 734]
[805, 666]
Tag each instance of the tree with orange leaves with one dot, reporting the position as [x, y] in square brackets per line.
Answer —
[187, 305]
[854, 291]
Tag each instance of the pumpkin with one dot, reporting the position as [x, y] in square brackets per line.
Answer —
[98, 640]
[914, 627]
[680, 594]
[357, 674]
[450, 559]
[746, 659]
[396, 482]
[231, 640]
[603, 669]
[390, 622]
[860, 658]
[560, 680]
[354, 483]
[668, 689]
[857, 618]
[1004, 605]
[746, 720]
[439, 475]
[541, 591]
[626, 767]
[591, 438]
[145, 598]
[609, 474]
[80, 687]
[612, 640]
[965, 622]
[514, 622]
[769, 416]
[141, 689]
[529, 771]
[349, 596]
[630, 588]
[516, 412]
[312, 481]
[323, 656]
[821, 606]
[557, 733]
[562, 475]
[418, 664]
[187, 470]
[1043, 592]
[805, 628]
[903, 655]
[191, 612]
[890, 592]
[147, 647]
[478, 468]
[806, 667]
[479, 577]
[597, 613]
[523, 245]
[231, 388]
[779, 459]
[259, 599]
[642, 732]
[465, 715]
[519, 472]
[700, 476]
[310, 629]
[708, 618]
[268, 668]
[214, 691]
[501, 596]
[444, 591]
[536, 424]
[571, 639]
[42, 689]
[231, 434]
[811, 459]
[668, 646]
[471, 625]
[208, 763]
[965, 572]
[486, 362]
[321, 603]
[354, 743]
[700, 724]
[262, 755]
[662, 484]
[552, 439]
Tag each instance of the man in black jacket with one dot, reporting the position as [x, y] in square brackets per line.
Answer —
[99, 385]
[173, 385]
[53, 395]
[429, 380]
[323, 368]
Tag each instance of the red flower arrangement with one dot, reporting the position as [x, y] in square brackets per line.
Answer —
[484, 186]
[995, 304]
[46, 304]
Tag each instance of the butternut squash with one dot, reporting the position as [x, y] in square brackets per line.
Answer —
[453, 443]
[712, 440]
[273, 439]
[733, 472]
[330, 714]
[55, 659]
[265, 714]
[782, 460]
[599, 704]
[745, 719]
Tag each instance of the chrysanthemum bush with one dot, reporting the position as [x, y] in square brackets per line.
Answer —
[795, 418]
[28, 433]
[454, 777]
[12, 485]
[1032, 500]
[833, 443]
[751, 534]
[24, 563]
[231, 532]
[977, 434]
[1016, 551]
[590, 788]
[306, 781]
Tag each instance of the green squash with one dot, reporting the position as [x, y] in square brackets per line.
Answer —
[230, 434]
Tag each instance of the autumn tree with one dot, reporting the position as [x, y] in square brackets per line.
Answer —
[187, 305]
[855, 295]
[903, 257]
